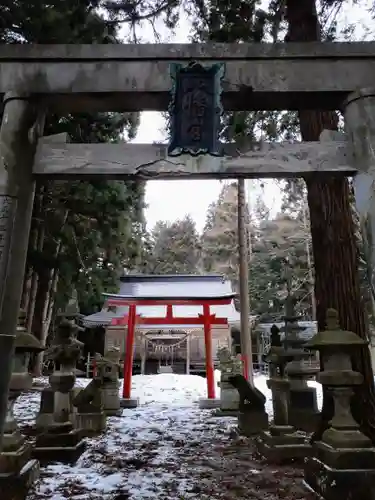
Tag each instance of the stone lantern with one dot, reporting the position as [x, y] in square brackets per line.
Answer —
[281, 442]
[61, 441]
[343, 461]
[17, 471]
[302, 401]
[45, 417]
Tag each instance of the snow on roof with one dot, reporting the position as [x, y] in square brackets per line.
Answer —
[310, 328]
[169, 286]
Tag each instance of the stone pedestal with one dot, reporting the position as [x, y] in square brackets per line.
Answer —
[229, 398]
[302, 401]
[45, 415]
[343, 461]
[165, 369]
[17, 470]
[282, 443]
[253, 422]
[229, 366]
[111, 384]
[303, 410]
[90, 418]
[60, 443]
[129, 403]
[111, 400]
[209, 404]
[17, 486]
[90, 424]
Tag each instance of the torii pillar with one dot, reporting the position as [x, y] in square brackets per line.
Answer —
[127, 401]
[211, 401]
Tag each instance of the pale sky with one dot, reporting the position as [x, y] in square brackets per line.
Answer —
[171, 200]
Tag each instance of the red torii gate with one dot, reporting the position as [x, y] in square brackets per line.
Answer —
[132, 319]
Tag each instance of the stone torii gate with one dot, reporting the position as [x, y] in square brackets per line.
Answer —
[35, 79]
[66, 78]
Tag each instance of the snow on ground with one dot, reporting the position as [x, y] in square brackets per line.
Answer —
[167, 448]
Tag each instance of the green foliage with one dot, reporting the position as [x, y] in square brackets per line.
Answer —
[219, 239]
[173, 248]
[89, 231]
[273, 241]
[278, 244]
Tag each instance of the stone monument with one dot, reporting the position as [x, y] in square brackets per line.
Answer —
[17, 470]
[60, 441]
[229, 366]
[90, 418]
[281, 443]
[342, 465]
[302, 402]
[111, 383]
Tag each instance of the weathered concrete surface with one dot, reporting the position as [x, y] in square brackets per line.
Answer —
[136, 77]
[150, 161]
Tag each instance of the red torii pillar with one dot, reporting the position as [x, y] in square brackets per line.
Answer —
[129, 353]
[210, 374]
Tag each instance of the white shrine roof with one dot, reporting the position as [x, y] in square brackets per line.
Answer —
[169, 286]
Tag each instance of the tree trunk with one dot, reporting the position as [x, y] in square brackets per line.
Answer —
[38, 242]
[333, 237]
[34, 280]
[45, 301]
[37, 325]
[25, 300]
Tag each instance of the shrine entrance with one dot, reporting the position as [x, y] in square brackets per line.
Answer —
[169, 348]
[132, 319]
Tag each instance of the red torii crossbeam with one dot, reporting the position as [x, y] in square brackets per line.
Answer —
[132, 319]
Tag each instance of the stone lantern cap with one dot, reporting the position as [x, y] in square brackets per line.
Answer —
[26, 342]
[333, 335]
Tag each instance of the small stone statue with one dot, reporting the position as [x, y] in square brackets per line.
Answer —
[228, 365]
[252, 417]
[251, 398]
